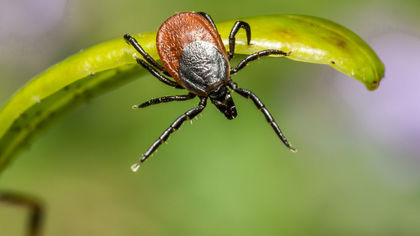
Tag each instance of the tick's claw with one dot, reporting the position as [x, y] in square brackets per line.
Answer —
[294, 150]
[135, 167]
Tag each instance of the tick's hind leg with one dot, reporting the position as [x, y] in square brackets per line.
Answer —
[175, 125]
[133, 42]
[208, 17]
[156, 73]
[165, 99]
[34, 206]
[233, 32]
[151, 68]
[255, 56]
[248, 94]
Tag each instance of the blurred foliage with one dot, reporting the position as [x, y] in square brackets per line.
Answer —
[216, 177]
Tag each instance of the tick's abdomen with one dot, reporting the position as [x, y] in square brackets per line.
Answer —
[202, 67]
[177, 33]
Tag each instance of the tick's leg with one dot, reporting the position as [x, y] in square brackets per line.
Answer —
[175, 125]
[233, 32]
[248, 94]
[208, 17]
[133, 42]
[33, 205]
[154, 72]
[255, 56]
[165, 99]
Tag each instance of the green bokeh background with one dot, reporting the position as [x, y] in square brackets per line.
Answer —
[216, 177]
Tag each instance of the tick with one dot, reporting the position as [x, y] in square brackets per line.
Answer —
[193, 55]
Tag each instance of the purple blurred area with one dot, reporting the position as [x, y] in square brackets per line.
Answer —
[392, 112]
[30, 33]
[30, 18]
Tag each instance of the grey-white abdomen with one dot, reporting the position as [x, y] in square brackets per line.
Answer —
[202, 67]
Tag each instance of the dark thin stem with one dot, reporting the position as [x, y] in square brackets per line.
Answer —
[34, 206]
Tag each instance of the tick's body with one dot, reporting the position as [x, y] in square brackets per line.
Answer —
[195, 57]
[193, 54]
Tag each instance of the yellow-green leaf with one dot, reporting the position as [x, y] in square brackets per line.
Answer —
[109, 64]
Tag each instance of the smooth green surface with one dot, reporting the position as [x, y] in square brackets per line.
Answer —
[315, 40]
[109, 64]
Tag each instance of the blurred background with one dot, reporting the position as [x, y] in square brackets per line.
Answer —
[356, 172]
